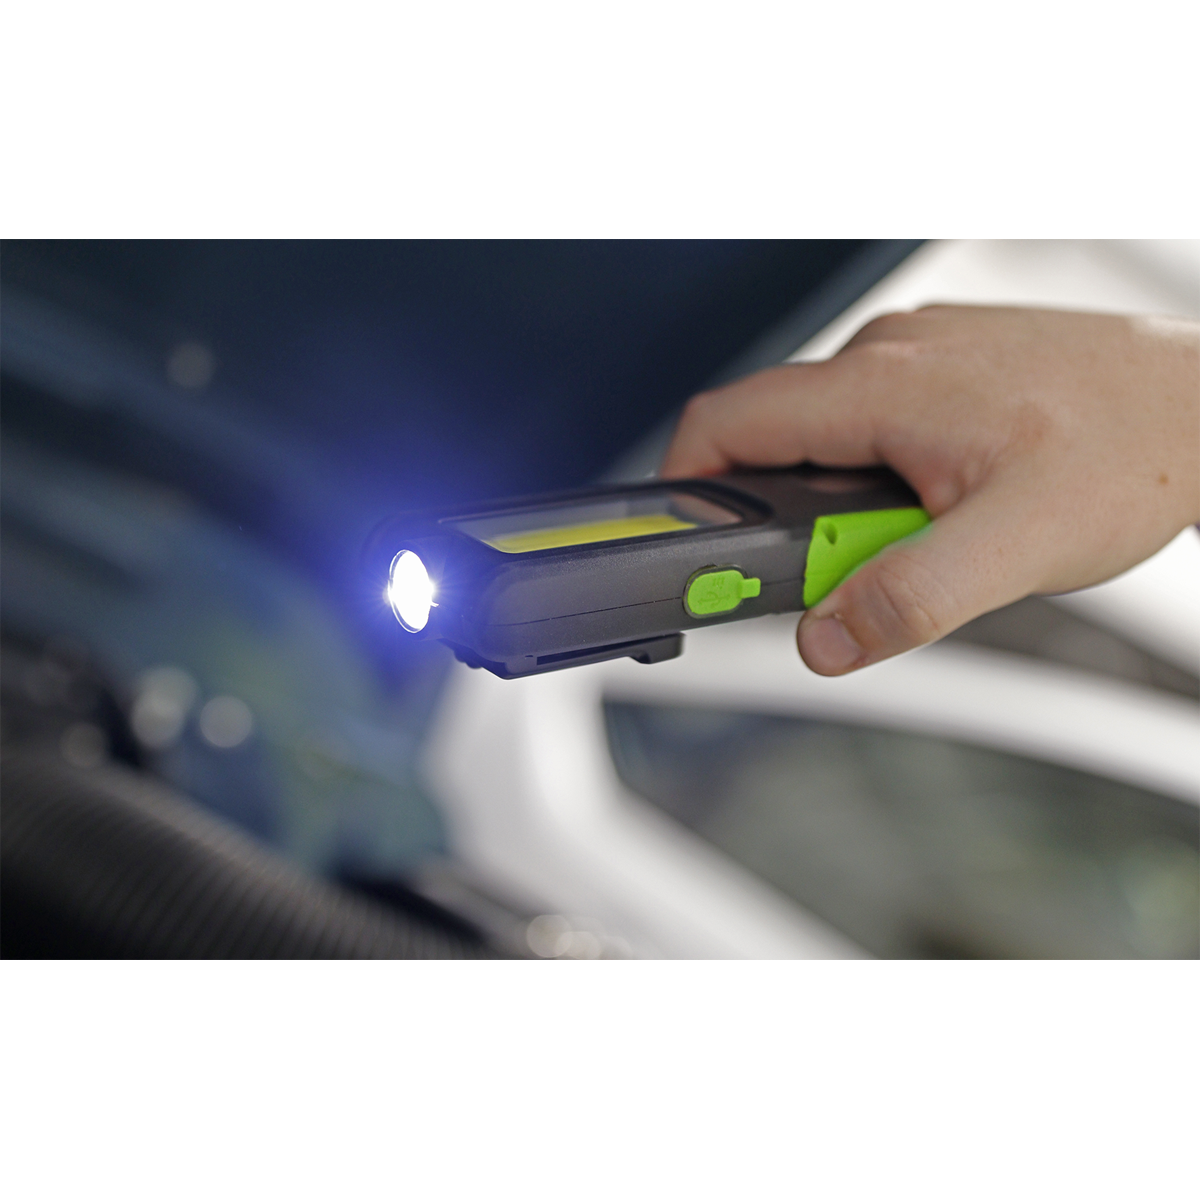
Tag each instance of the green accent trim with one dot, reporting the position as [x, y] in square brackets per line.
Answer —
[843, 542]
[712, 592]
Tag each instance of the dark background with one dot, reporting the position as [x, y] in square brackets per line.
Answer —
[444, 371]
[211, 521]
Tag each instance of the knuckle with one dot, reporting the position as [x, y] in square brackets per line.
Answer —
[699, 406]
[887, 320]
[885, 327]
[894, 335]
[889, 353]
[913, 602]
[1034, 421]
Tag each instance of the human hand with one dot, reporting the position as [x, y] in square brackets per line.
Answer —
[1054, 450]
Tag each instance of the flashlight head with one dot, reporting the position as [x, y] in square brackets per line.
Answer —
[410, 591]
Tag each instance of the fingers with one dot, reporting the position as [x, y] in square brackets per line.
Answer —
[969, 561]
[835, 413]
[820, 412]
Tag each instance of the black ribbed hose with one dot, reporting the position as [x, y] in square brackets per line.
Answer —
[144, 873]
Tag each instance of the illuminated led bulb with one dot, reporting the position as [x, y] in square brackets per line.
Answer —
[410, 591]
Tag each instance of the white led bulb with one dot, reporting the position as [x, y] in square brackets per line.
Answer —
[410, 591]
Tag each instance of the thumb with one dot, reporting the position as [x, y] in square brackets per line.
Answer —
[969, 561]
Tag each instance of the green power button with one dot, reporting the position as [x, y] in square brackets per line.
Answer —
[710, 592]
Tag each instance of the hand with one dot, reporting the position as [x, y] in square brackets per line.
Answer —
[1054, 450]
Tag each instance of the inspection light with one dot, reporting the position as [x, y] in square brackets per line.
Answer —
[535, 585]
[410, 591]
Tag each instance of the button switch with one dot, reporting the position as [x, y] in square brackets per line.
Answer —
[718, 590]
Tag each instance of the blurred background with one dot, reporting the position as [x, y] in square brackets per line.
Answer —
[217, 740]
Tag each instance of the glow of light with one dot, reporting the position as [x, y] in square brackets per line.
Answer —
[410, 591]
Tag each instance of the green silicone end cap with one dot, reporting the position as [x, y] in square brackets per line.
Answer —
[842, 543]
[711, 592]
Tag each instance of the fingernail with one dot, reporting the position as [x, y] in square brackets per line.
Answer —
[827, 646]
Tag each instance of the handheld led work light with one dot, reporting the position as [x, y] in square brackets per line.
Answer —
[537, 584]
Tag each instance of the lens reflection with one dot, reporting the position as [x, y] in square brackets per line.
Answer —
[410, 591]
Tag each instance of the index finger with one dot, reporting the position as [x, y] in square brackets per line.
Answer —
[823, 412]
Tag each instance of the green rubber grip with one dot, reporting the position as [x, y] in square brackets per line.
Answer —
[842, 543]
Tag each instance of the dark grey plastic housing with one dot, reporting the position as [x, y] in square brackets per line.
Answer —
[541, 610]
